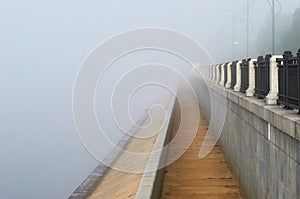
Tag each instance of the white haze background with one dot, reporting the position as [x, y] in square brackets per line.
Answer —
[42, 45]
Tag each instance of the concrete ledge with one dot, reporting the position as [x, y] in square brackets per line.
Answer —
[91, 182]
[151, 183]
[287, 121]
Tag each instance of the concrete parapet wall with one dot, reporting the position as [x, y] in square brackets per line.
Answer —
[261, 143]
[151, 183]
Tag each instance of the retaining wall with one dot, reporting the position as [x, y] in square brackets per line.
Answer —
[261, 143]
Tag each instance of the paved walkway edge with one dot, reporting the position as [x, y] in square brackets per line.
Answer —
[151, 183]
[91, 182]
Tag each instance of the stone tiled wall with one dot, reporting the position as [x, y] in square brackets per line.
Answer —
[262, 146]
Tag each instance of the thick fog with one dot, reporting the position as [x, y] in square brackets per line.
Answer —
[44, 43]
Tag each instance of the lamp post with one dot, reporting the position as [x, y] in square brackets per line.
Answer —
[220, 31]
[234, 17]
[272, 5]
[273, 27]
[248, 13]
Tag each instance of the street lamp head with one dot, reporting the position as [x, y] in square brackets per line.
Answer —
[234, 16]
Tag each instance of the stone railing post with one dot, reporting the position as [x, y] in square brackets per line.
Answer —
[251, 89]
[213, 74]
[271, 98]
[210, 73]
[217, 74]
[237, 86]
[213, 77]
[227, 85]
[206, 71]
[222, 75]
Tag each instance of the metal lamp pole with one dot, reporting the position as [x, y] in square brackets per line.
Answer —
[273, 27]
[234, 17]
[248, 13]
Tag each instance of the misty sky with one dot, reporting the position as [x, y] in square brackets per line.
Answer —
[43, 44]
[58, 26]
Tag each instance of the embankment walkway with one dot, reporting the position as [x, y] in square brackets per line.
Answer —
[191, 177]
[188, 177]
